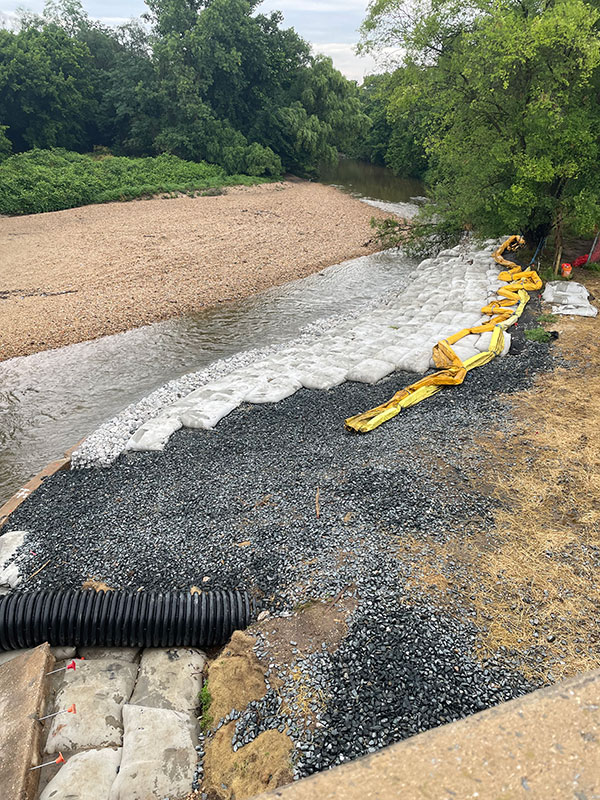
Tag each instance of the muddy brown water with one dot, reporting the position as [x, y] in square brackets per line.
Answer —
[50, 400]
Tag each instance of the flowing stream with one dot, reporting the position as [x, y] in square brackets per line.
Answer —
[51, 400]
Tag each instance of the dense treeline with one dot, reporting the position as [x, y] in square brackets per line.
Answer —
[496, 103]
[200, 79]
[502, 99]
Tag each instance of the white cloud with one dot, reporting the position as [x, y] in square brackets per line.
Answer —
[314, 6]
[114, 21]
[345, 59]
[9, 20]
[356, 67]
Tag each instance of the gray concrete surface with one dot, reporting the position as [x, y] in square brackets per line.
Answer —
[544, 746]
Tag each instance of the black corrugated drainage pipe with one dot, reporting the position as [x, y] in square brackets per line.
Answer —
[121, 619]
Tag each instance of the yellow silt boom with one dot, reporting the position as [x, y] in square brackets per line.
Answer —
[452, 371]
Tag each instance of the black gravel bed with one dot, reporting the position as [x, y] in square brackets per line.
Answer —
[236, 508]
[172, 519]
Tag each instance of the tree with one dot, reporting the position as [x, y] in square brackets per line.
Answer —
[513, 118]
[46, 94]
[203, 80]
[5, 144]
[323, 117]
[396, 137]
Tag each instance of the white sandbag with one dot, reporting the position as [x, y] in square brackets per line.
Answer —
[473, 307]
[576, 311]
[154, 434]
[469, 341]
[365, 351]
[394, 354]
[207, 416]
[566, 293]
[420, 361]
[323, 379]
[464, 352]
[485, 339]
[569, 298]
[273, 390]
[205, 395]
[450, 253]
[370, 370]
[416, 360]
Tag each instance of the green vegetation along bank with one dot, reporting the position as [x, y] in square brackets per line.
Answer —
[52, 180]
[498, 102]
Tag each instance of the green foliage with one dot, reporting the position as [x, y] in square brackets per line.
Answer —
[538, 335]
[509, 91]
[51, 180]
[205, 698]
[418, 238]
[395, 138]
[45, 88]
[5, 144]
[547, 318]
[205, 80]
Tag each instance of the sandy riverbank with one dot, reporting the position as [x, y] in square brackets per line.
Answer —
[74, 275]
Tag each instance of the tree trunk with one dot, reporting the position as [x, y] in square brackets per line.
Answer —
[558, 241]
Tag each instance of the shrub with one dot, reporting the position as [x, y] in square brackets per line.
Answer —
[538, 335]
[52, 180]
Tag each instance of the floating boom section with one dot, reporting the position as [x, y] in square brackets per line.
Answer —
[452, 370]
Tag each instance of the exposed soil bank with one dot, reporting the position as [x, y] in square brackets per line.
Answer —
[74, 275]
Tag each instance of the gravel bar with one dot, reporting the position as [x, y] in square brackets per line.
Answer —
[73, 275]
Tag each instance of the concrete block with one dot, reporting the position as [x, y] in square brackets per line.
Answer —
[543, 746]
[23, 686]
[99, 689]
[159, 755]
[169, 679]
[85, 776]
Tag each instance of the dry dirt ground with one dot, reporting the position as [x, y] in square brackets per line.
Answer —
[532, 577]
[73, 275]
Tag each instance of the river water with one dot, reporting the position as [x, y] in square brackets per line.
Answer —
[51, 400]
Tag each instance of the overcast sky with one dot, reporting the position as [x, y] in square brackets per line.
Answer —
[330, 25]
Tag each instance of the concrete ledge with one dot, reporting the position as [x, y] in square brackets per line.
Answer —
[23, 686]
[545, 745]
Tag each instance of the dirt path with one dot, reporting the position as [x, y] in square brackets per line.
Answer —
[74, 275]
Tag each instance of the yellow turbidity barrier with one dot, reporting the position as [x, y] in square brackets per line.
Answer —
[503, 313]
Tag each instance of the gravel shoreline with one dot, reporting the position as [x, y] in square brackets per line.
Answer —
[74, 275]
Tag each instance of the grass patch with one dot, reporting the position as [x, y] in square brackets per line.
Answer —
[205, 699]
[537, 335]
[53, 180]
[547, 319]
